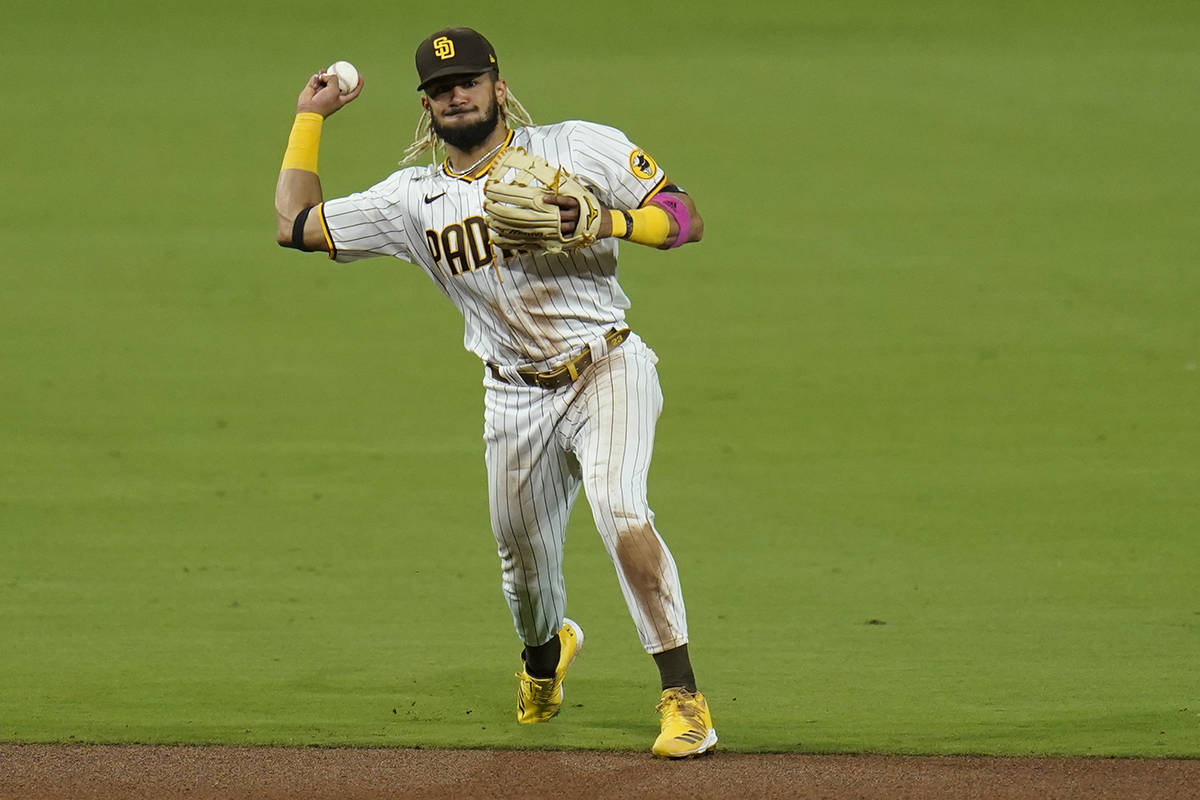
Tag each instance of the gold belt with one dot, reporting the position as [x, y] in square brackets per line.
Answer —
[568, 372]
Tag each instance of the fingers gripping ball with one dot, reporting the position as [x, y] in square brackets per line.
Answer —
[346, 74]
[517, 212]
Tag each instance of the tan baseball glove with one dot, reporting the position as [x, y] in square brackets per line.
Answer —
[518, 214]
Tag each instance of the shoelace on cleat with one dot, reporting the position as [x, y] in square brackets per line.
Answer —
[540, 690]
[681, 707]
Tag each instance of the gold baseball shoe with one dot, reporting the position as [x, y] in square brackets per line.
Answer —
[687, 728]
[539, 699]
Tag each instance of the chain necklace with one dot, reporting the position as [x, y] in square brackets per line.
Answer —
[471, 169]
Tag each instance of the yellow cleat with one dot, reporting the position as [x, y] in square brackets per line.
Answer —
[539, 699]
[687, 728]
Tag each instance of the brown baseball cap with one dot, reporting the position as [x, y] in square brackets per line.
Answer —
[454, 51]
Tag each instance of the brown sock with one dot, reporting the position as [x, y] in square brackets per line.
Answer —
[675, 669]
[542, 661]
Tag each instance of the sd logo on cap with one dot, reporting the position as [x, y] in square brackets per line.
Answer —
[454, 51]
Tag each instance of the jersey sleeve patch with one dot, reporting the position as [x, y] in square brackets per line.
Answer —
[642, 165]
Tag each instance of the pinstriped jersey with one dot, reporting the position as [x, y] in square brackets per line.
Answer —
[519, 308]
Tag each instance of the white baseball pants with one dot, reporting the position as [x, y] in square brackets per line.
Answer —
[542, 445]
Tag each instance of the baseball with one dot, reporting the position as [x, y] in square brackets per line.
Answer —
[347, 75]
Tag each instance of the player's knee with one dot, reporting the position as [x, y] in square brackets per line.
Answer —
[619, 508]
[627, 520]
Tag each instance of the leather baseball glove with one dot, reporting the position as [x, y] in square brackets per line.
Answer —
[518, 214]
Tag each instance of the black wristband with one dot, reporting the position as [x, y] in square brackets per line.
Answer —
[628, 223]
[298, 230]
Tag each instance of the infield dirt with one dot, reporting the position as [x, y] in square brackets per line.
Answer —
[102, 772]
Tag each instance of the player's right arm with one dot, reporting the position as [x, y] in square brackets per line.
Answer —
[299, 187]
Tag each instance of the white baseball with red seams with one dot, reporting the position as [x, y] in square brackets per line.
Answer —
[538, 311]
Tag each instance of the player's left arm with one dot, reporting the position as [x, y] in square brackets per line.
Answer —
[657, 223]
[684, 223]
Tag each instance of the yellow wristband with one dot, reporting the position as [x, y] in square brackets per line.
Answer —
[304, 142]
[620, 227]
[651, 226]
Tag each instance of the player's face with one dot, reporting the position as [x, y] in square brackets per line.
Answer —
[465, 109]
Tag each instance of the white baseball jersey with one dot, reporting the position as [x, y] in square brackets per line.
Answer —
[518, 308]
[538, 310]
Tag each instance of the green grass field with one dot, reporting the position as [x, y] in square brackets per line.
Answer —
[929, 463]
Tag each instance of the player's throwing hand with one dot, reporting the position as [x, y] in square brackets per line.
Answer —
[321, 95]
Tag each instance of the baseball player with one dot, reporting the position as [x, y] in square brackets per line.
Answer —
[518, 226]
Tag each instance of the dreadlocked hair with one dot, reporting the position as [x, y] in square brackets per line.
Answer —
[426, 141]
